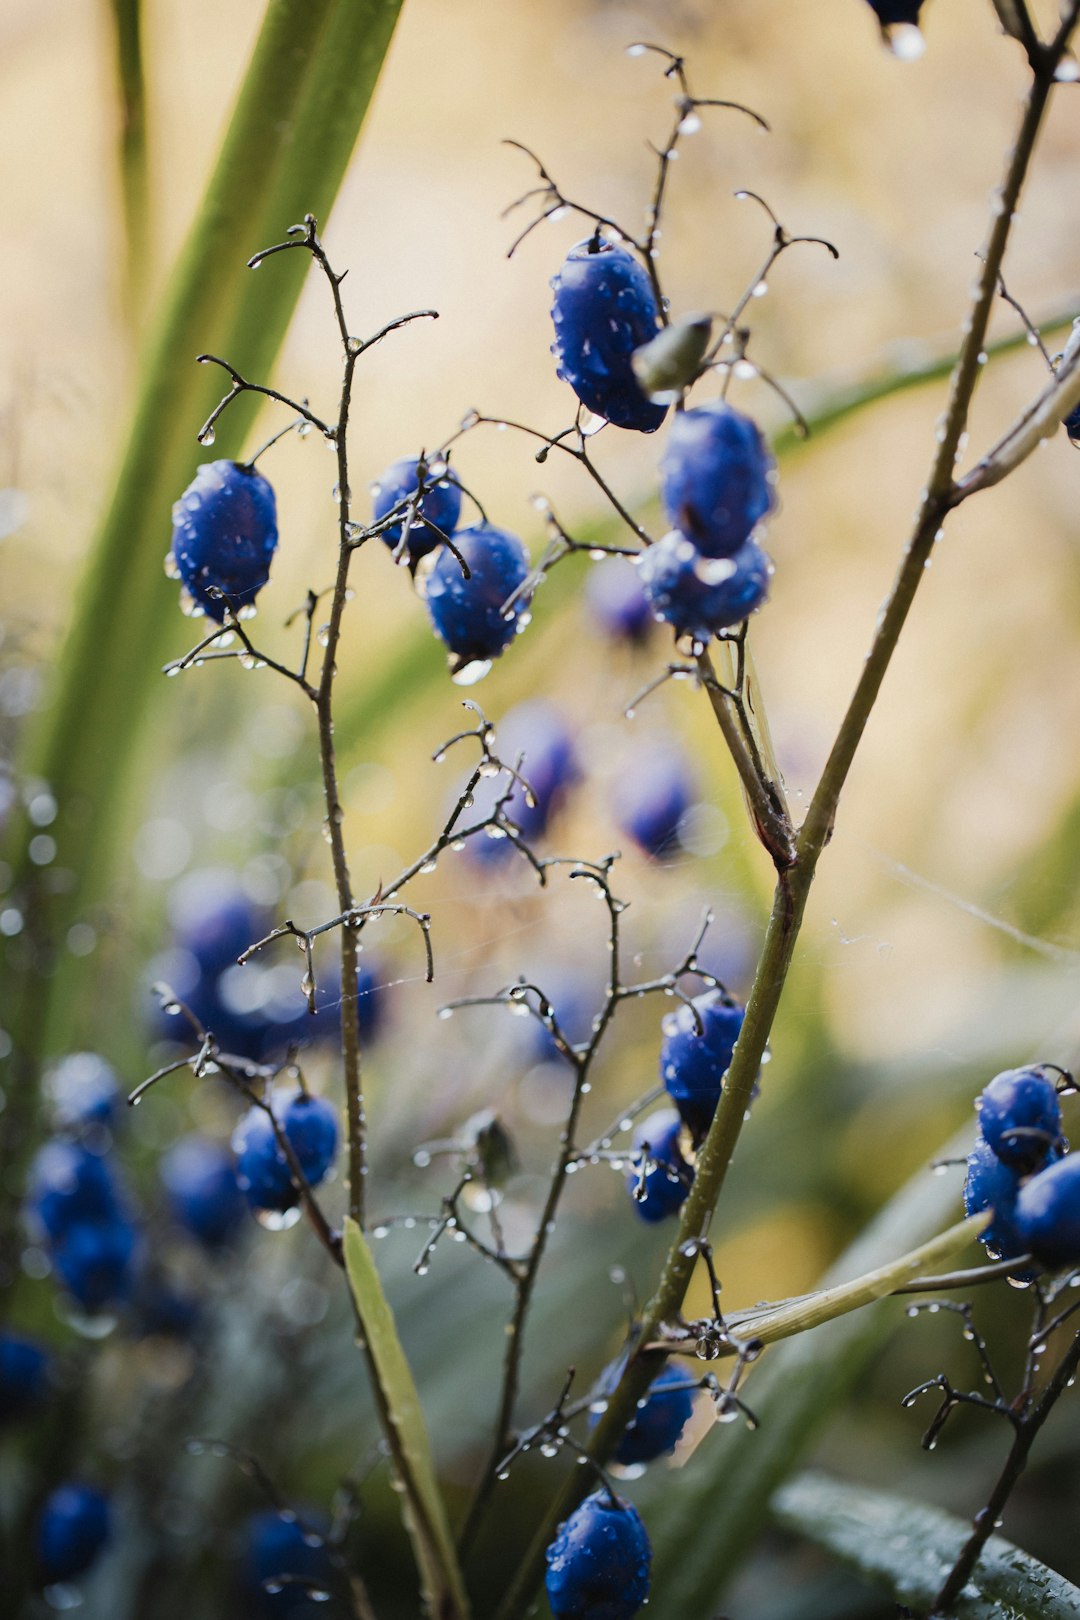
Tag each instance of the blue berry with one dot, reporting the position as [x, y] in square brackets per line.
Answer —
[896, 11]
[1071, 424]
[278, 1545]
[699, 595]
[693, 1066]
[69, 1184]
[84, 1091]
[1020, 1117]
[669, 1178]
[716, 478]
[600, 1561]
[604, 309]
[96, 1262]
[215, 926]
[617, 601]
[309, 1123]
[990, 1184]
[72, 1527]
[536, 732]
[440, 506]
[467, 613]
[224, 535]
[1046, 1218]
[657, 1424]
[651, 797]
[24, 1376]
[201, 1191]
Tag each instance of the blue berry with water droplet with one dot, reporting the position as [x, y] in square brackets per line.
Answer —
[990, 1184]
[436, 516]
[669, 1178]
[699, 595]
[262, 1171]
[1020, 1116]
[283, 1561]
[1046, 1217]
[600, 1561]
[468, 613]
[659, 1420]
[605, 308]
[693, 1065]
[224, 535]
[201, 1189]
[716, 478]
[72, 1528]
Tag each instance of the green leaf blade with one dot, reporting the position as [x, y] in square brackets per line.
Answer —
[909, 1548]
[403, 1418]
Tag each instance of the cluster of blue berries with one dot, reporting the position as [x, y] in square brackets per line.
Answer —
[253, 1013]
[708, 573]
[1019, 1170]
[77, 1205]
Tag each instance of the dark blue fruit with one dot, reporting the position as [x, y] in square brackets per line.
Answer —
[468, 613]
[96, 1261]
[284, 1562]
[536, 733]
[1072, 424]
[990, 1184]
[604, 309]
[896, 11]
[68, 1184]
[693, 1066]
[437, 515]
[651, 797]
[224, 535]
[617, 601]
[716, 478]
[310, 1125]
[1046, 1218]
[699, 595]
[24, 1376]
[218, 927]
[201, 1190]
[669, 1179]
[84, 1091]
[600, 1561]
[72, 1528]
[660, 1420]
[1020, 1117]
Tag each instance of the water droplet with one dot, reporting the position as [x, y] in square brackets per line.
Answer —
[690, 124]
[207, 436]
[905, 41]
[635, 50]
[470, 673]
[760, 290]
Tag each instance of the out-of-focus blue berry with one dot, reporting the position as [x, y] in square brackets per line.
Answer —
[262, 1171]
[604, 309]
[1020, 1117]
[200, 1189]
[161, 1311]
[287, 1019]
[278, 1545]
[83, 1091]
[716, 478]
[1046, 1216]
[440, 506]
[618, 602]
[600, 1562]
[651, 797]
[69, 1183]
[96, 1261]
[669, 1180]
[467, 613]
[224, 535]
[575, 996]
[700, 595]
[24, 1376]
[537, 731]
[692, 1066]
[657, 1424]
[73, 1526]
[215, 926]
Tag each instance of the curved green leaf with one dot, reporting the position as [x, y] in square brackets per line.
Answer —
[403, 1421]
[910, 1549]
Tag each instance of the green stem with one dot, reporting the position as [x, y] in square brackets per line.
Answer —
[134, 171]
